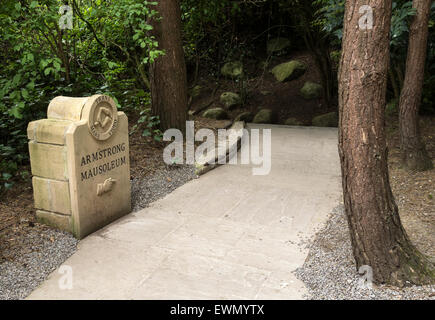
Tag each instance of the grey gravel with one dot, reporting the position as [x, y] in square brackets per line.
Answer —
[48, 250]
[159, 184]
[330, 273]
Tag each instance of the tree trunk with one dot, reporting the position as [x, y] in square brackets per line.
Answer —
[414, 154]
[378, 238]
[168, 73]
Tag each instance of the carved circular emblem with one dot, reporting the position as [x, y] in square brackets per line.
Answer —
[103, 117]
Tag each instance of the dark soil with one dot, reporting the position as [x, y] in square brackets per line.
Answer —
[265, 92]
[17, 215]
[414, 191]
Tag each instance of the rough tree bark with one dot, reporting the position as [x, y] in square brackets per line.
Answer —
[414, 154]
[168, 73]
[378, 238]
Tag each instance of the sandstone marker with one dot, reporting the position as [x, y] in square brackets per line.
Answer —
[80, 164]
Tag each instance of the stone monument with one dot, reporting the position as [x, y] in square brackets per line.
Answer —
[80, 164]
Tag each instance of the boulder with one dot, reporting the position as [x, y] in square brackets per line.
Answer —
[263, 116]
[215, 113]
[289, 70]
[326, 120]
[311, 90]
[277, 45]
[292, 122]
[232, 70]
[230, 100]
[245, 116]
[195, 91]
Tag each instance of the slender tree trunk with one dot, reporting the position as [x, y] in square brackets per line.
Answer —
[414, 154]
[378, 238]
[168, 73]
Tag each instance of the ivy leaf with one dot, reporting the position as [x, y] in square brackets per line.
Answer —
[8, 185]
[16, 79]
[56, 65]
[18, 47]
[44, 63]
[15, 95]
[6, 176]
[25, 93]
[16, 110]
[47, 71]
[31, 85]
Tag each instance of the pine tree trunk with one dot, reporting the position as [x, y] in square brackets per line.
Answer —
[414, 154]
[168, 73]
[378, 238]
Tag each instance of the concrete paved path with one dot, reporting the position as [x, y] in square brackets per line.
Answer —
[226, 235]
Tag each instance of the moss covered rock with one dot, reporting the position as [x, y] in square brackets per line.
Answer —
[232, 70]
[230, 100]
[289, 70]
[245, 116]
[195, 91]
[292, 122]
[216, 113]
[311, 90]
[326, 120]
[277, 45]
[264, 116]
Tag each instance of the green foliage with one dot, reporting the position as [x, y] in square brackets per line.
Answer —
[109, 49]
[402, 12]
[149, 124]
[331, 16]
[102, 53]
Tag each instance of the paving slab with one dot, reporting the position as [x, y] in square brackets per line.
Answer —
[227, 235]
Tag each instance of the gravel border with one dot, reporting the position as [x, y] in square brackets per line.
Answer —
[159, 184]
[48, 249]
[329, 271]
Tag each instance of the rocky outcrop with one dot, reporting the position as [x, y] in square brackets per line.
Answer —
[289, 70]
[230, 100]
[326, 120]
[216, 113]
[264, 116]
[311, 90]
[233, 70]
[245, 116]
[292, 122]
